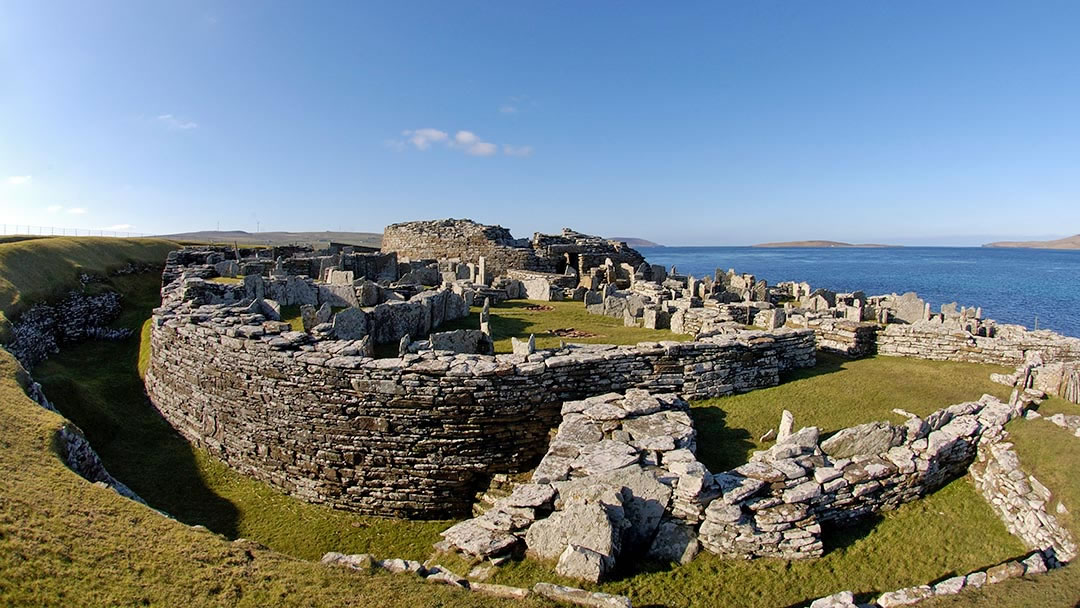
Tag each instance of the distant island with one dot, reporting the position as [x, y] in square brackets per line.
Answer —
[363, 239]
[819, 244]
[634, 241]
[1069, 242]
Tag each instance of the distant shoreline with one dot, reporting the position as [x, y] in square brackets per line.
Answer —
[821, 245]
[1067, 243]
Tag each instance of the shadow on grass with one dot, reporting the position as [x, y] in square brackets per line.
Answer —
[97, 386]
[827, 363]
[726, 447]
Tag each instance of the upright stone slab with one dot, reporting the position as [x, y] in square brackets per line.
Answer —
[254, 287]
[309, 316]
[485, 317]
[350, 324]
[481, 271]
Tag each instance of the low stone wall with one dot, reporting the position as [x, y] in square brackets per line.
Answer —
[411, 436]
[1020, 501]
[847, 338]
[774, 505]
[1008, 346]
[621, 478]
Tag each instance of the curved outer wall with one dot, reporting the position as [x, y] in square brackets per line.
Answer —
[415, 436]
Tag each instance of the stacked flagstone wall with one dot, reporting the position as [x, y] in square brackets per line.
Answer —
[413, 435]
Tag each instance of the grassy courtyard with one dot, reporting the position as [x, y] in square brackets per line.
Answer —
[520, 318]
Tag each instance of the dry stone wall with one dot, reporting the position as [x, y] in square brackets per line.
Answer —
[1020, 501]
[620, 477]
[411, 436]
[464, 240]
[1008, 346]
[774, 505]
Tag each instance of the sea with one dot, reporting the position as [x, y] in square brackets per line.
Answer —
[1035, 288]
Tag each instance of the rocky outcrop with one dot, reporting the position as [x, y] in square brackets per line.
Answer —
[80, 457]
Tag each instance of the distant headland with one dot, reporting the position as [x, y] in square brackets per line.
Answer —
[819, 244]
[634, 241]
[1070, 242]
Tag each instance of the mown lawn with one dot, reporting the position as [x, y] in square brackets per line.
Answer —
[515, 319]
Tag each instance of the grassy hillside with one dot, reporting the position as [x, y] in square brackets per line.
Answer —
[33, 270]
[65, 542]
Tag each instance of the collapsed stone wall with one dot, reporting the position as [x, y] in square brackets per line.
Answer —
[620, 477]
[774, 505]
[409, 436]
[1020, 501]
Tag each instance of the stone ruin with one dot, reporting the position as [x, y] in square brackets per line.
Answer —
[620, 478]
[414, 435]
[467, 241]
[418, 435]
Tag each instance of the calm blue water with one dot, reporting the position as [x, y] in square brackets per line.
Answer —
[1011, 285]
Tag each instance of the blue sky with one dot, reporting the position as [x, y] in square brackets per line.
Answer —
[687, 123]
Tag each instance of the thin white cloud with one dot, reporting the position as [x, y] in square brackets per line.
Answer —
[466, 138]
[423, 138]
[472, 145]
[481, 148]
[467, 141]
[517, 150]
[120, 227]
[54, 208]
[19, 180]
[77, 211]
[176, 124]
[508, 109]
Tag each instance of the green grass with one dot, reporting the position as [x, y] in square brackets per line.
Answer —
[837, 393]
[227, 280]
[1052, 455]
[512, 319]
[291, 314]
[903, 547]
[897, 549]
[107, 401]
[33, 270]
[64, 541]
